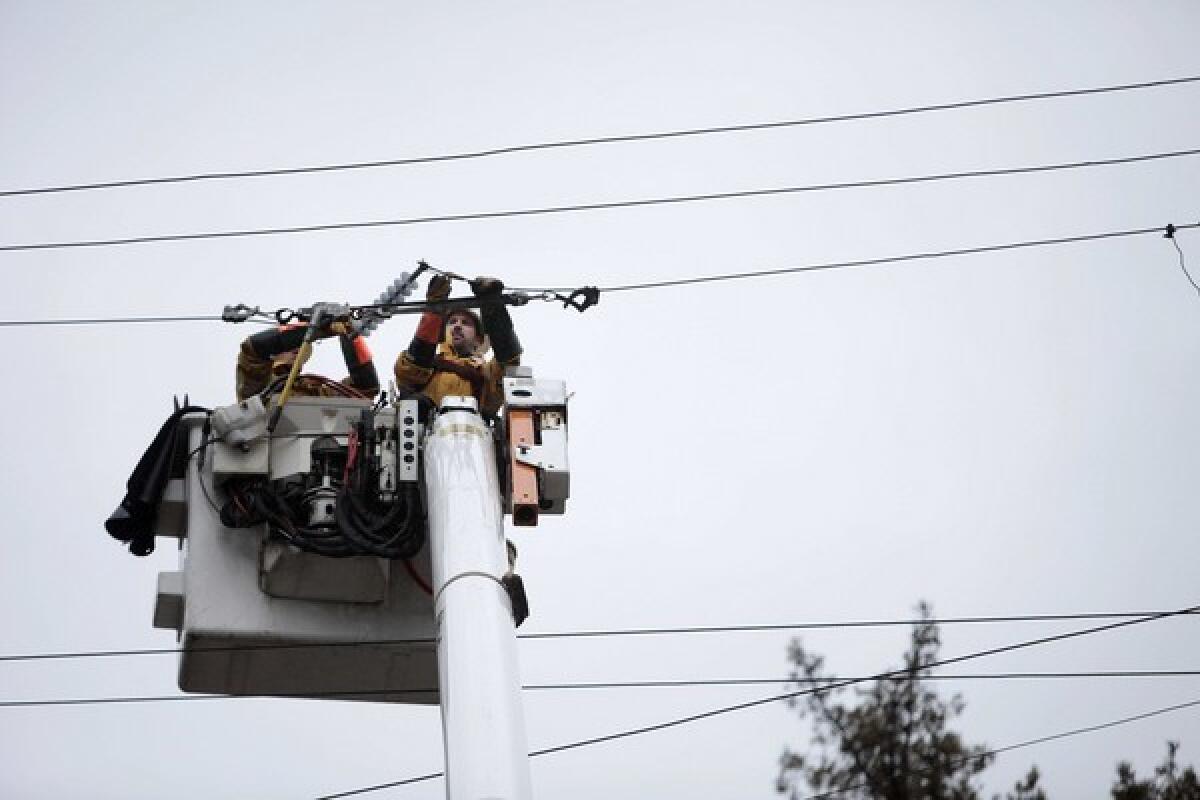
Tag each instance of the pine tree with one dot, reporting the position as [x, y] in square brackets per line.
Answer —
[895, 742]
[1168, 783]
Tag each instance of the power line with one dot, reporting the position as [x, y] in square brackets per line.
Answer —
[1040, 740]
[1091, 237]
[13, 323]
[1027, 743]
[799, 693]
[1031, 243]
[597, 633]
[600, 685]
[644, 202]
[597, 140]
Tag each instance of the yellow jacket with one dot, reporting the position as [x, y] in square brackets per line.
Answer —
[452, 374]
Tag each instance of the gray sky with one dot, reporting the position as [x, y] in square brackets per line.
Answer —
[999, 434]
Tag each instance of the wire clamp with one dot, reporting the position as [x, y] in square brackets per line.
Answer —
[325, 312]
[239, 313]
[1170, 234]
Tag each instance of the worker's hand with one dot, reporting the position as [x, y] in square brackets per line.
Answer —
[327, 330]
[341, 328]
[484, 286]
[438, 290]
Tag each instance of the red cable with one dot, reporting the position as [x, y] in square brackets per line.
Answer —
[412, 573]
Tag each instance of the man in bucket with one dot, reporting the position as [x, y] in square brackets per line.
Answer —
[448, 356]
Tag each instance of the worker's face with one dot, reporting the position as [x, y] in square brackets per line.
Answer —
[460, 328]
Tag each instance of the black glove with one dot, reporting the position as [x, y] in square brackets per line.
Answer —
[438, 289]
[272, 341]
[496, 320]
[484, 286]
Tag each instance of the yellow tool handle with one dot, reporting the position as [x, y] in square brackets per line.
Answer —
[297, 365]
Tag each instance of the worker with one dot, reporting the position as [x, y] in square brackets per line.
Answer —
[267, 357]
[447, 354]
[447, 357]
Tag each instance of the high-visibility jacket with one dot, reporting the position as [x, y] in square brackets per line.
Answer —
[452, 374]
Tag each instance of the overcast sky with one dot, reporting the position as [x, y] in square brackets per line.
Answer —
[1010, 433]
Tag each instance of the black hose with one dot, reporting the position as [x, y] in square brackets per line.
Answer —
[388, 532]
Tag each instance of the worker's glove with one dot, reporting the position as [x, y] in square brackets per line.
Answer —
[438, 290]
[483, 286]
[496, 320]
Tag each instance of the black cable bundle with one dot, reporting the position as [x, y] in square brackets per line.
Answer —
[280, 504]
[392, 529]
[362, 522]
[387, 530]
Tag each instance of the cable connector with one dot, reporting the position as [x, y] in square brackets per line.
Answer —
[1170, 234]
[239, 313]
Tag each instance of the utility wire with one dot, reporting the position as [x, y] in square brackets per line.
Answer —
[799, 693]
[597, 140]
[1027, 743]
[1032, 243]
[649, 684]
[597, 633]
[13, 323]
[653, 201]
[1090, 237]
[1031, 742]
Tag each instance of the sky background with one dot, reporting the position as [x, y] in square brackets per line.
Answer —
[1009, 433]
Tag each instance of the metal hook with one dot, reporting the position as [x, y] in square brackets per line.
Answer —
[581, 299]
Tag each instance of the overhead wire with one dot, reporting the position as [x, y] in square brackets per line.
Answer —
[883, 260]
[355, 694]
[12, 323]
[865, 262]
[597, 633]
[603, 206]
[996, 751]
[686, 720]
[597, 140]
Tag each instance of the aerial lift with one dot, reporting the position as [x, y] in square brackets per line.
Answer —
[344, 548]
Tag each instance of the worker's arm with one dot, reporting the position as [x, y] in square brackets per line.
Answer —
[255, 354]
[414, 367]
[506, 349]
[497, 322]
[363, 376]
